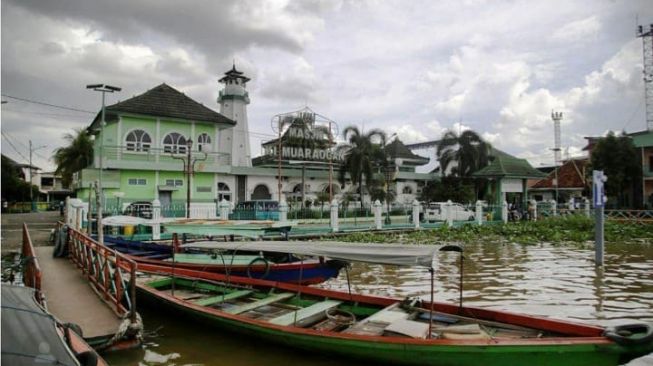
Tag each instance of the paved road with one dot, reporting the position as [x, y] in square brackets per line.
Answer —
[39, 224]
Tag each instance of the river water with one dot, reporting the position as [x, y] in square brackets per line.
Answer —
[558, 281]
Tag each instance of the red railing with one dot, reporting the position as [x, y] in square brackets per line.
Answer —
[31, 270]
[105, 270]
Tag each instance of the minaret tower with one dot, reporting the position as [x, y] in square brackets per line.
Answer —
[233, 100]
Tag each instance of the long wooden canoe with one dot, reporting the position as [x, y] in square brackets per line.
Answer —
[388, 330]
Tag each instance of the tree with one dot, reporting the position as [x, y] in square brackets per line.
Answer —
[618, 158]
[322, 197]
[361, 156]
[74, 157]
[449, 188]
[14, 188]
[468, 151]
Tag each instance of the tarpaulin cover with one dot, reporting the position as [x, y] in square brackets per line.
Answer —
[29, 334]
[400, 255]
[123, 220]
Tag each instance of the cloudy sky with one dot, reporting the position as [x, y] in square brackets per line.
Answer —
[416, 68]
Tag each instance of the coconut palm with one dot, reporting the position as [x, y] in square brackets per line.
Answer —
[466, 153]
[362, 155]
[74, 157]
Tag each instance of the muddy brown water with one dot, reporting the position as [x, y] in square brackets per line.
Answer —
[558, 281]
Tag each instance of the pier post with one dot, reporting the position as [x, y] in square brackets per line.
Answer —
[587, 208]
[377, 215]
[416, 214]
[554, 208]
[449, 213]
[156, 220]
[504, 212]
[283, 211]
[334, 215]
[479, 212]
[223, 207]
[534, 212]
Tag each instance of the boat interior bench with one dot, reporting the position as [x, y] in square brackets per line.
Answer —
[259, 303]
[306, 316]
[221, 298]
[376, 323]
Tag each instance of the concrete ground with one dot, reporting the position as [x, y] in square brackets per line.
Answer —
[39, 224]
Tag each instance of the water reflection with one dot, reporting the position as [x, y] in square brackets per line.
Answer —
[555, 281]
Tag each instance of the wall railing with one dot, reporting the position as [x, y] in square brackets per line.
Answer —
[32, 270]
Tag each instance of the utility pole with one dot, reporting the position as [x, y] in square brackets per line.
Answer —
[31, 176]
[647, 50]
[557, 117]
[103, 88]
[189, 170]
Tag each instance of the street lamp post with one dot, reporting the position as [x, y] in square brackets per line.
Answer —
[31, 175]
[387, 182]
[189, 169]
[103, 88]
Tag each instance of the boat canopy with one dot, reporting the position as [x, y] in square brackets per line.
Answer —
[29, 334]
[123, 220]
[400, 255]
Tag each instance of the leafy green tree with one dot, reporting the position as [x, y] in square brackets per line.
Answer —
[14, 188]
[467, 150]
[362, 155]
[322, 198]
[449, 188]
[618, 158]
[74, 157]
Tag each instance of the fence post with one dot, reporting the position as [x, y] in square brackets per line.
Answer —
[504, 212]
[587, 207]
[223, 207]
[377, 215]
[334, 215]
[570, 204]
[156, 220]
[449, 214]
[416, 214]
[554, 208]
[479, 212]
[283, 211]
[534, 212]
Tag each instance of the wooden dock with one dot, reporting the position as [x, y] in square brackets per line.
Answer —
[71, 299]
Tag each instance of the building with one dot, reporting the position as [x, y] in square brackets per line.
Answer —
[567, 182]
[145, 139]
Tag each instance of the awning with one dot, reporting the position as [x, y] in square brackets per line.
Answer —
[400, 255]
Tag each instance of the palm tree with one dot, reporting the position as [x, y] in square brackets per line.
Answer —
[74, 157]
[361, 156]
[468, 151]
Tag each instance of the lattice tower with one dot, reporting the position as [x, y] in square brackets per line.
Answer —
[647, 49]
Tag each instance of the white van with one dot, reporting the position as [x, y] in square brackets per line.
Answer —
[435, 212]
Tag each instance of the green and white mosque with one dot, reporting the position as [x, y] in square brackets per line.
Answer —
[144, 137]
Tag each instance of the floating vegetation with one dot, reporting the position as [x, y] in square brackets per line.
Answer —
[567, 229]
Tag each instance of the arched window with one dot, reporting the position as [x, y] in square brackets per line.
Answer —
[407, 190]
[223, 192]
[261, 192]
[138, 140]
[174, 143]
[204, 142]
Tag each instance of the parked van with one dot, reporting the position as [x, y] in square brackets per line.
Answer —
[435, 212]
[256, 210]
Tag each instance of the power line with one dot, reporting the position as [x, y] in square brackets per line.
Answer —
[13, 146]
[48, 104]
[25, 146]
[46, 114]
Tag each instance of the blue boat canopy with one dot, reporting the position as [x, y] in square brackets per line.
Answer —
[400, 255]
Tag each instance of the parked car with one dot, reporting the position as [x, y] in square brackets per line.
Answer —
[139, 209]
[435, 212]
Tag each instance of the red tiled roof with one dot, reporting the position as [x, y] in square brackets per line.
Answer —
[570, 175]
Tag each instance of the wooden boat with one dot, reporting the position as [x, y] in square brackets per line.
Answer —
[27, 326]
[257, 264]
[388, 330]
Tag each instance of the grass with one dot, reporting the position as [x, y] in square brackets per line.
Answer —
[575, 229]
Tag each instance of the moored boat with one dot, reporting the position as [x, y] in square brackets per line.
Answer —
[382, 329]
[254, 264]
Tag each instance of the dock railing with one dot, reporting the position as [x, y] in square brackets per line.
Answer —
[31, 270]
[105, 270]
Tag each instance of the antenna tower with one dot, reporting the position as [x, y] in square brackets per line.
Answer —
[647, 40]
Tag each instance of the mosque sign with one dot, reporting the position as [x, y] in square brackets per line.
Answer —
[300, 143]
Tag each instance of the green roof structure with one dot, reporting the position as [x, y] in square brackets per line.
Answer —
[507, 166]
[397, 149]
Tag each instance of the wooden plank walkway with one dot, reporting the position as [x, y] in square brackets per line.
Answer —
[71, 299]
